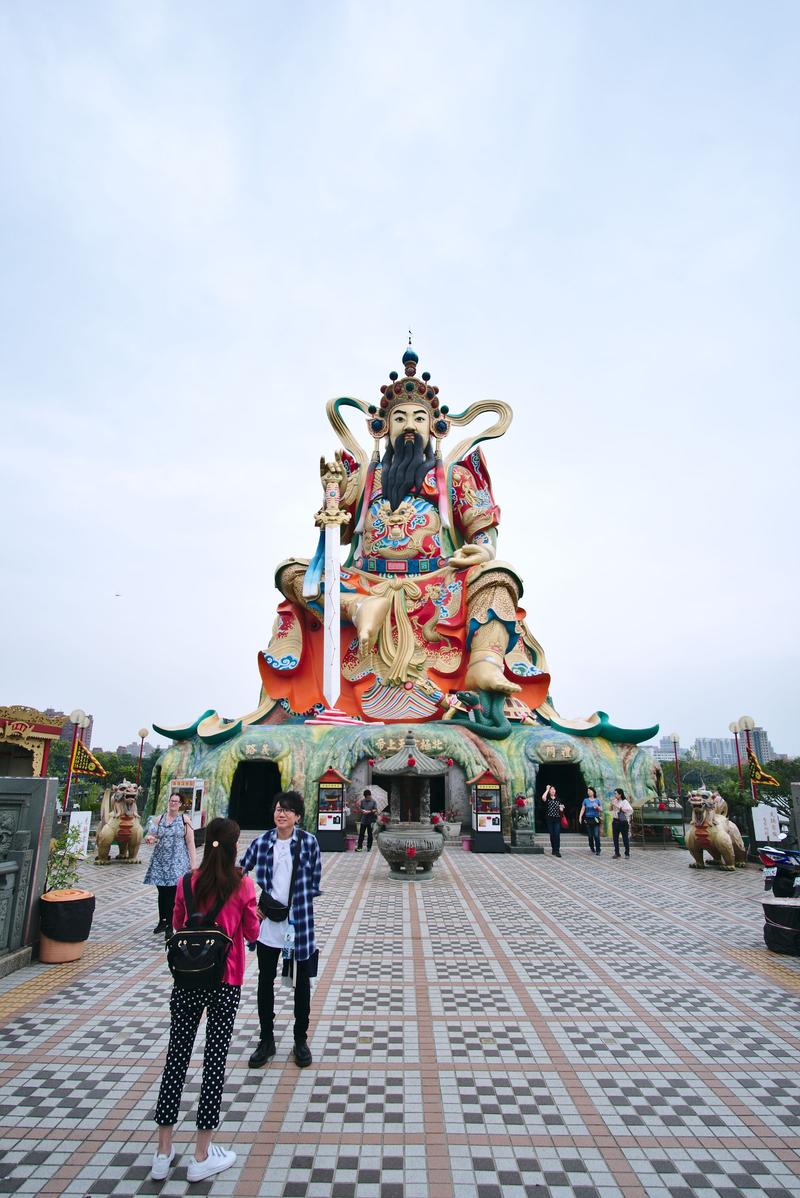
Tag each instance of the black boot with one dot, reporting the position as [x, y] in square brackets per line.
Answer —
[302, 1054]
[264, 1051]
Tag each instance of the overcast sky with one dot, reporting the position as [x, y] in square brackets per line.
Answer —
[216, 216]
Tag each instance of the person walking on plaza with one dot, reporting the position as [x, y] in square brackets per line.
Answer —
[369, 815]
[590, 814]
[621, 812]
[173, 856]
[217, 880]
[554, 811]
[288, 868]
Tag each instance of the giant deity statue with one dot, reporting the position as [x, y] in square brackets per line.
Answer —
[428, 613]
[419, 622]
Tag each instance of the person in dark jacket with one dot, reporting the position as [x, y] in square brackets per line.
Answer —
[285, 849]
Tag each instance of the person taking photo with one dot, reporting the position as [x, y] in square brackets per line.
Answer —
[554, 810]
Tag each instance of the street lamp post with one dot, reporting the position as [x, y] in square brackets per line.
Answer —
[734, 728]
[746, 725]
[142, 733]
[79, 720]
[673, 736]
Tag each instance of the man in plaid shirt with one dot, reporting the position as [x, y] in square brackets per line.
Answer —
[284, 851]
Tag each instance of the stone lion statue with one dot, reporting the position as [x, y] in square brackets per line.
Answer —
[120, 824]
[710, 831]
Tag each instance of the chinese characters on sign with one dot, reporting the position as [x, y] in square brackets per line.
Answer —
[393, 744]
[555, 752]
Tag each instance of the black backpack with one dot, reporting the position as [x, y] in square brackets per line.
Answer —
[196, 954]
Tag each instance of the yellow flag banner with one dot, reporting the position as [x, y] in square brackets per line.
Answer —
[759, 776]
[84, 762]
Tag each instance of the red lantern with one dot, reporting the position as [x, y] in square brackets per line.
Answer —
[450, 761]
[662, 806]
[370, 761]
[411, 850]
[412, 761]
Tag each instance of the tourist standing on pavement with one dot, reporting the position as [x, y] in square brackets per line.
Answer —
[288, 868]
[590, 814]
[621, 812]
[217, 880]
[554, 811]
[173, 856]
[369, 815]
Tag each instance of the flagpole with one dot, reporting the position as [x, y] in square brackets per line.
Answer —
[746, 723]
[734, 728]
[79, 720]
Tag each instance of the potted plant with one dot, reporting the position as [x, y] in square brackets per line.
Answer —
[452, 823]
[65, 912]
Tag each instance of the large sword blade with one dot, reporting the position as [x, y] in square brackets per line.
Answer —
[332, 676]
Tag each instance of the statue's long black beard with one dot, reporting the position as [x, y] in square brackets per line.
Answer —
[404, 467]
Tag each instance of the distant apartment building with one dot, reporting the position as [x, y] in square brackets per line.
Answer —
[664, 751]
[720, 750]
[68, 729]
[132, 750]
[760, 744]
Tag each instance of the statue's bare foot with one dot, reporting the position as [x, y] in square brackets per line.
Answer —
[485, 675]
[368, 617]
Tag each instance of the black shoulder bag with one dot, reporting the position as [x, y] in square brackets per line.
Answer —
[270, 906]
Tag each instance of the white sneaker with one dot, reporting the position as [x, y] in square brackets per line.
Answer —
[217, 1160]
[160, 1166]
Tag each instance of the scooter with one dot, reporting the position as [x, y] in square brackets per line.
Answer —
[781, 869]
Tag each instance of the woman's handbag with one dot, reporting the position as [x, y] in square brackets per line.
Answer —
[564, 821]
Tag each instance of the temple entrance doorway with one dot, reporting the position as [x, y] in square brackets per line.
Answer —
[570, 788]
[254, 787]
[438, 794]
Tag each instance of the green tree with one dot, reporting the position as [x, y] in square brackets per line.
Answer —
[87, 792]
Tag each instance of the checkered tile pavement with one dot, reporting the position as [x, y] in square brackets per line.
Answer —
[514, 1027]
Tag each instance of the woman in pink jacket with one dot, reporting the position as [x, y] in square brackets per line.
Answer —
[218, 878]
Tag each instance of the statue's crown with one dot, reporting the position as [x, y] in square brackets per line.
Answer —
[408, 390]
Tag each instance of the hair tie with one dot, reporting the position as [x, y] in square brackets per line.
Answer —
[215, 844]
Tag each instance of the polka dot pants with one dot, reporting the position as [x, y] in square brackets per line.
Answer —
[186, 1007]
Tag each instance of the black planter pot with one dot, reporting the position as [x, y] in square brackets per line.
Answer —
[67, 919]
[782, 926]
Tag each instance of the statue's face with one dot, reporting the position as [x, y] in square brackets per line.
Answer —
[406, 420]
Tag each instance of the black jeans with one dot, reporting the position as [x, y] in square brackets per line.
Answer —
[365, 827]
[617, 826]
[554, 828]
[166, 903]
[593, 832]
[268, 959]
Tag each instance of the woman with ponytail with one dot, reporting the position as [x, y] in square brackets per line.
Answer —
[218, 880]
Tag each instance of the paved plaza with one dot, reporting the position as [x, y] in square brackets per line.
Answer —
[515, 1026]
